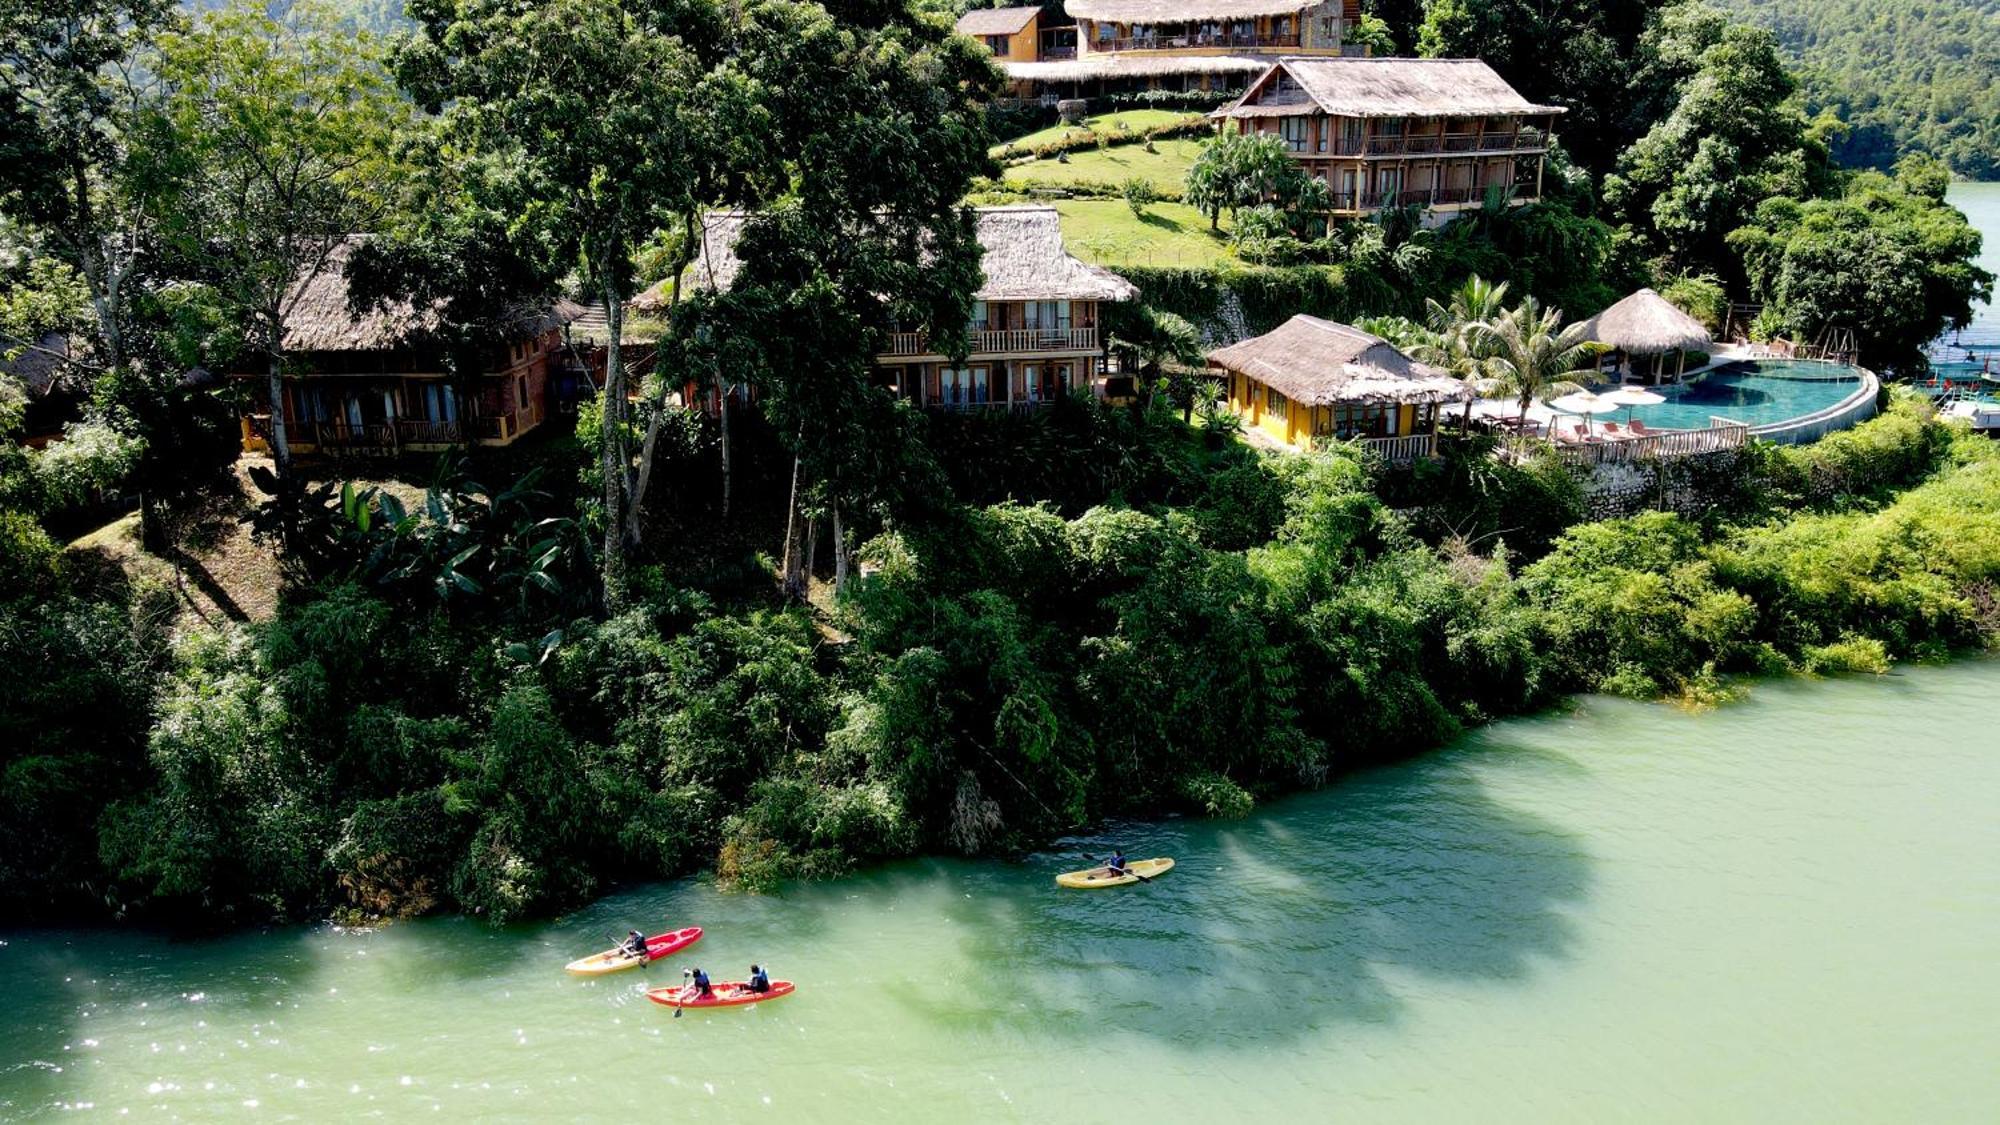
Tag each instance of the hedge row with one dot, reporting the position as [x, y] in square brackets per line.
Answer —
[1089, 139]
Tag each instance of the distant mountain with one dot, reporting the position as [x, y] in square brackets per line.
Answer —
[1910, 75]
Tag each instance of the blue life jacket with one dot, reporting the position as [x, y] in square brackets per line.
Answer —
[701, 981]
[1118, 862]
[760, 981]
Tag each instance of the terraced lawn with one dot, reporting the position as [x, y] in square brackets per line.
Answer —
[1105, 231]
[1167, 168]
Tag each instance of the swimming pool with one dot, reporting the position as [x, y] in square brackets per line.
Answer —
[1759, 392]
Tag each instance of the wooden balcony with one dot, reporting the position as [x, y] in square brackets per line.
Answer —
[1194, 40]
[1402, 450]
[997, 342]
[1514, 141]
[387, 437]
[1354, 202]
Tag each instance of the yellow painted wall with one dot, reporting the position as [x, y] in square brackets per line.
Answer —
[1026, 45]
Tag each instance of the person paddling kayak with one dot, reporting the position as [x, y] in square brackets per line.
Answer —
[697, 987]
[635, 945]
[1116, 865]
[760, 981]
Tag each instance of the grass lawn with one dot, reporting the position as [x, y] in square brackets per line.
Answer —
[1135, 120]
[1111, 167]
[1171, 234]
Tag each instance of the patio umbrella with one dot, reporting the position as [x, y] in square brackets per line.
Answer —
[1584, 403]
[1629, 397]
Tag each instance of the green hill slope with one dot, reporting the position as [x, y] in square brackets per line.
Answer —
[1908, 74]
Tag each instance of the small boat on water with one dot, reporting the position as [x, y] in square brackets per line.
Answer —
[726, 994]
[617, 959]
[1136, 871]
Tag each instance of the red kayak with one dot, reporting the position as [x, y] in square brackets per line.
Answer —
[617, 960]
[728, 994]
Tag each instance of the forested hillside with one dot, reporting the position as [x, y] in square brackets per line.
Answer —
[1906, 74]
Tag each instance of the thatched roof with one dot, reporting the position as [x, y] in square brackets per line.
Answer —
[1386, 87]
[591, 328]
[1648, 323]
[1182, 11]
[42, 369]
[1023, 258]
[1318, 363]
[321, 321]
[996, 21]
[1132, 66]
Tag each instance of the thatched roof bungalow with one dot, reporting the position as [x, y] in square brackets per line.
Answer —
[1647, 324]
[374, 380]
[1311, 379]
[1034, 330]
[1434, 133]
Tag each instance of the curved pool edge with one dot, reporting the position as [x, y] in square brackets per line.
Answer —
[1855, 408]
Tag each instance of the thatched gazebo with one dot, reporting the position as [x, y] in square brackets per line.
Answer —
[1310, 378]
[1647, 324]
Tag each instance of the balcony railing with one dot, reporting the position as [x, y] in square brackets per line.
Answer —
[987, 342]
[1426, 144]
[1196, 40]
[1421, 197]
[1402, 450]
[995, 404]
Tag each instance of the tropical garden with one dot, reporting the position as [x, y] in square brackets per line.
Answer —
[823, 628]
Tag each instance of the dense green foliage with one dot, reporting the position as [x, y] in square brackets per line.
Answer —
[468, 700]
[1885, 259]
[1905, 75]
[1198, 628]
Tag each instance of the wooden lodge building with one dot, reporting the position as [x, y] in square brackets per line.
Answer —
[1035, 334]
[1311, 380]
[1122, 45]
[367, 384]
[1383, 133]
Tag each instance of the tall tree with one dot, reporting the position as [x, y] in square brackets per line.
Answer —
[851, 249]
[270, 146]
[65, 113]
[1888, 259]
[1734, 136]
[1571, 53]
[598, 126]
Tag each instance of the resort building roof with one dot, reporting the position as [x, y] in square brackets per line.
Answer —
[1370, 87]
[41, 368]
[1132, 66]
[1319, 362]
[1647, 323]
[1023, 258]
[1181, 11]
[996, 21]
[322, 321]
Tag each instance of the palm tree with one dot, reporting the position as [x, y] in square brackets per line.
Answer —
[1529, 353]
[1154, 339]
[1452, 343]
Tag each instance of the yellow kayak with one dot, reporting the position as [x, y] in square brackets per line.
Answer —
[1102, 876]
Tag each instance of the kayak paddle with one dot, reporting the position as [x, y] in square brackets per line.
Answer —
[1128, 868]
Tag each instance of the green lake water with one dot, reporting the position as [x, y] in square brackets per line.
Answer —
[1785, 909]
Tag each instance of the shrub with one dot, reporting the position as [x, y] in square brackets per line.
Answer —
[1139, 194]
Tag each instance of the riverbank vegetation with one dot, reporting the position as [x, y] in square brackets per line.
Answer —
[1004, 672]
[509, 680]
